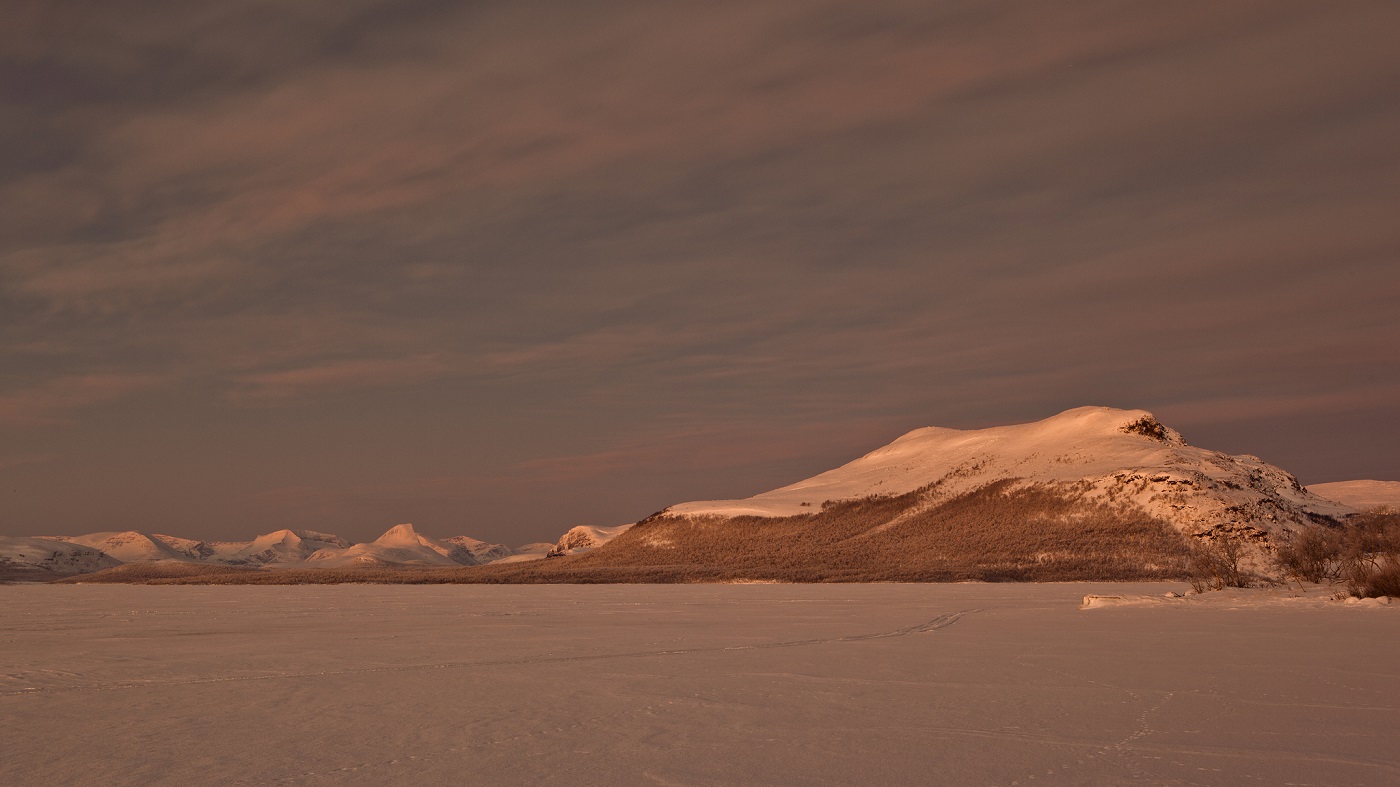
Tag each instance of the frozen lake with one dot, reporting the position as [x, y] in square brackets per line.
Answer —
[697, 684]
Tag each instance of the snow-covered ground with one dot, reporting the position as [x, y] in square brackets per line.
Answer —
[1361, 494]
[695, 684]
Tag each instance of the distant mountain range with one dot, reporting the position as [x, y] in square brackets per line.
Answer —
[1093, 478]
[400, 546]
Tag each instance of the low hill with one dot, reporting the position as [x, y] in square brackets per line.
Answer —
[1361, 494]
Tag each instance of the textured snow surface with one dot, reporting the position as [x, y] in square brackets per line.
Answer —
[704, 685]
[1360, 494]
[1191, 487]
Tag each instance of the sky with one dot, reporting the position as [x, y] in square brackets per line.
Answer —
[502, 268]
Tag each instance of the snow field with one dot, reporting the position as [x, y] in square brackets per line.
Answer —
[699, 684]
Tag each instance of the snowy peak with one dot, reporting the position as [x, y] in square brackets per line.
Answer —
[400, 535]
[277, 547]
[403, 545]
[1122, 455]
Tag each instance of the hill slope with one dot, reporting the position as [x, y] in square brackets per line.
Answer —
[130, 546]
[36, 558]
[1091, 493]
[1121, 455]
[1361, 494]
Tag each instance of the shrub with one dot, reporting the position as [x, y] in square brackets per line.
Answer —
[1214, 562]
[1381, 578]
[1372, 555]
[1312, 554]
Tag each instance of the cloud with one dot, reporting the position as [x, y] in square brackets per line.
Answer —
[625, 236]
[56, 401]
[336, 376]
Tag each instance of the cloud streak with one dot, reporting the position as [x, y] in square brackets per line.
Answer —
[519, 241]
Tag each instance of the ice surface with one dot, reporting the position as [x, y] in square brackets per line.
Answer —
[694, 684]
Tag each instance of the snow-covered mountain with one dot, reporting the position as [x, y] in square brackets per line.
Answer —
[20, 556]
[400, 545]
[1118, 455]
[130, 546]
[1360, 494]
[481, 551]
[275, 548]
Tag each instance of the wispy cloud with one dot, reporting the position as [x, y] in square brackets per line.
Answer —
[580, 243]
[57, 400]
[337, 376]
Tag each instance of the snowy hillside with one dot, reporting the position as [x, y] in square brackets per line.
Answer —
[481, 551]
[1120, 455]
[19, 555]
[585, 537]
[130, 546]
[1361, 494]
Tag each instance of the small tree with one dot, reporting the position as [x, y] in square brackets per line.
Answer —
[1214, 562]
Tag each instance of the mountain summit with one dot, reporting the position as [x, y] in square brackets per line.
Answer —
[1112, 455]
[1090, 493]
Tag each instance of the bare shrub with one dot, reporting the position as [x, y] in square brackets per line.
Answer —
[1381, 578]
[1214, 562]
[1312, 554]
[1372, 554]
